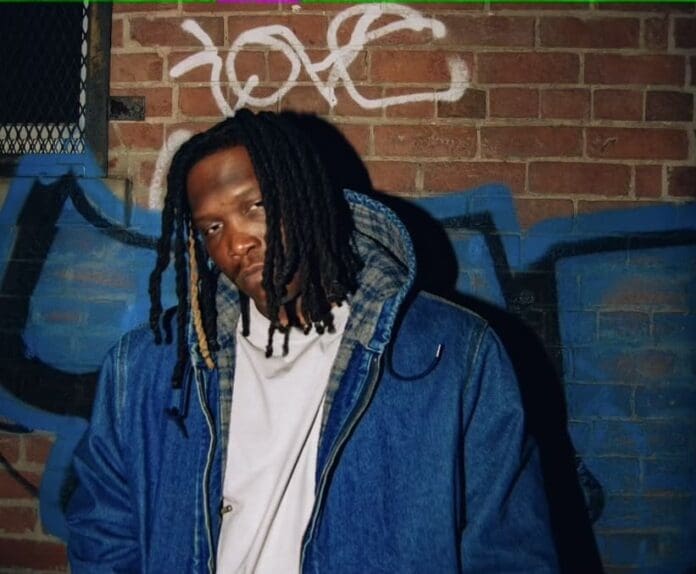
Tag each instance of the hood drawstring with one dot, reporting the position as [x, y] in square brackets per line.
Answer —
[179, 414]
[429, 369]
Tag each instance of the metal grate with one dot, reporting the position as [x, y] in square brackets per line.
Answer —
[43, 97]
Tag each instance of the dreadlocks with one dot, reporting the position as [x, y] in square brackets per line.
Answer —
[308, 234]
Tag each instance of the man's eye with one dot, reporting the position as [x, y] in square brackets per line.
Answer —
[211, 229]
[255, 209]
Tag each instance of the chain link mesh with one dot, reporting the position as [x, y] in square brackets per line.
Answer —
[43, 58]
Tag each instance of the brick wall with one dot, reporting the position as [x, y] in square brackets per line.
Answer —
[568, 105]
[23, 544]
[579, 110]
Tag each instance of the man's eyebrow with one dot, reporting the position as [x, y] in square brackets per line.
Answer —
[251, 190]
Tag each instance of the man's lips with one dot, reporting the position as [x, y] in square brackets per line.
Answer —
[250, 270]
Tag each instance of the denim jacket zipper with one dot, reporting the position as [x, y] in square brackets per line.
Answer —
[208, 465]
[373, 375]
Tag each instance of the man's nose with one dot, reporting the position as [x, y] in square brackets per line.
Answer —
[240, 242]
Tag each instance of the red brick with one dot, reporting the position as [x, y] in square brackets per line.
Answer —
[645, 6]
[655, 32]
[32, 554]
[648, 182]
[637, 143]
[530, 141]
[357, 70]
[421, 66]
[618, 105]
[421, 110]
[488, 30]
[119, 8]
[246, 63]
[304, 99]
[513, 103]
[471, 105]
[533, 211]
[136, 67]
[669, 106]
[632, 69]
[579, 178]
[280, 68]
[158, 101]
[11, 488]
[437, 7]
[358, 136]
[570, 32]
[198, 102]
[9, 447]
[17, 519]
[347, 106]
[310, 29]
[327, 7]
[238, 8]
[117, 33]
[527, 68]
[685, 32]
[457, 176]
[565, 104]
[535, 6]
[393, 176]
[425, 141]
[682, 181]
[140, 136]
[37, 447]
[157, 31]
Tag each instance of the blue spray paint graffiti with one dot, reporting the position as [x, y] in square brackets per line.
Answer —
[72, 261]
[610, 295]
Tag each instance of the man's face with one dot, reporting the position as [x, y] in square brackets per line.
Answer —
[227, 209]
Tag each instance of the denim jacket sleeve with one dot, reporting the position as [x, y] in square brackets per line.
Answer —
[507, 525]
[102, 527]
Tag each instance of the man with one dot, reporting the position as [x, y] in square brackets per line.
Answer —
[371, 428]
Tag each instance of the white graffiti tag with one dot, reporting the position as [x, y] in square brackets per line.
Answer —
[337, 62]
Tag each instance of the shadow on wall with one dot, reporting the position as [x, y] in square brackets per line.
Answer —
[75, 261]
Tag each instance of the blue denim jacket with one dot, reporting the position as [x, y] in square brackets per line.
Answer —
[423, 465]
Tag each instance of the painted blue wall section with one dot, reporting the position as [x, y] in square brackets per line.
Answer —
[623, 294]
[611, 296]
[69, 289]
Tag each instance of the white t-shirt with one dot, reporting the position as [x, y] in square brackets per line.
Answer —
[272, 449]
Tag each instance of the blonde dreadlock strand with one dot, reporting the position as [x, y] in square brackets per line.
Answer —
[195, 307]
